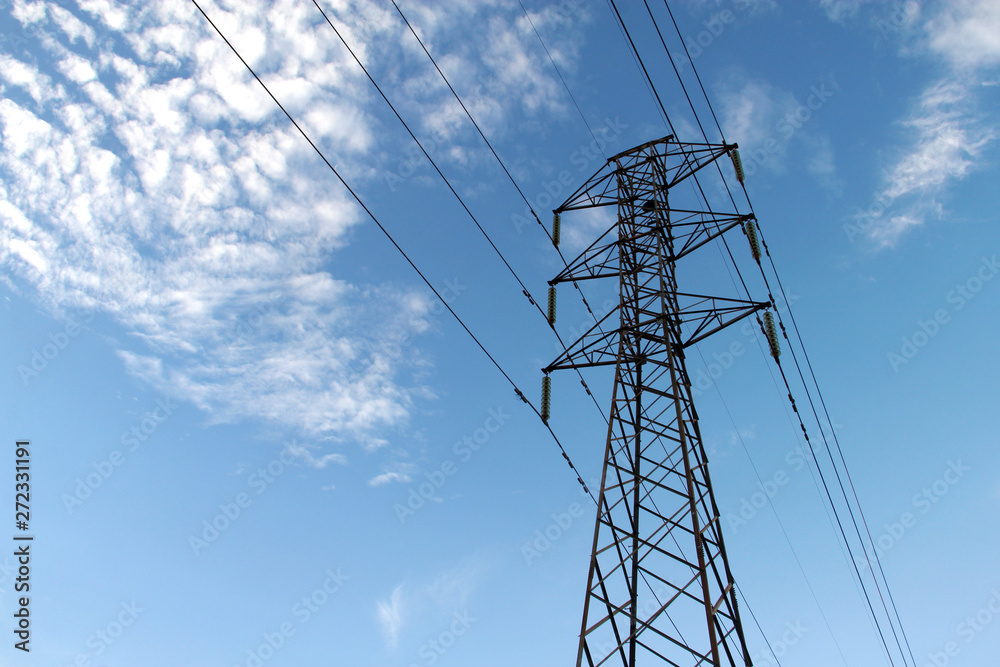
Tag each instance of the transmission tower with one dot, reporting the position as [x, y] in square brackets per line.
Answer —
[659, 590]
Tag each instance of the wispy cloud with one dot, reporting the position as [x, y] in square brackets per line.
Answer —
[304, 452]
[769, 123]
[949, 134]
[390, 616]
[839, 10]
[396, 471]
[949, 138]
[146, 175]
[752, 108]
[453, 589]
[439, 595]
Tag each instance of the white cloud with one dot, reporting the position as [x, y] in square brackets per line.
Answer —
[839, 10]
[164, 188]
[822, 163]
[950, 138]
[74, 28]
[949, 134]
[752, 108]
[390, 616]
[967, 33]
[453, 589]
[770, 123]
[891, 228]
[498, 67]
[146, 174]
[388, 478]
[441, 594]
[17, 73]
[396, 471]
[304, 452]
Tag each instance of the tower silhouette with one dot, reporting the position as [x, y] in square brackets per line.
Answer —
[659, 589]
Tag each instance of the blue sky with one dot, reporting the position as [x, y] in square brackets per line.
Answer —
[234, 384]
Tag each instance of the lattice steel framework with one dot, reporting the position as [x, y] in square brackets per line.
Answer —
[659, 590]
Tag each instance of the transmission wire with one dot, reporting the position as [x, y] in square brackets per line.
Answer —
[392, 240]
[850, 509]
[666, 116]
[509, 176]
[563, 80]
[781, 525]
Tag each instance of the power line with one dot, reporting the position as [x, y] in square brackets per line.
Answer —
[434, 164]
[563, 80]
[642, 66]
[725, 183]
[505, 170]
[645, 71]
[851, 512]
[392, 240]
[892, 603]
[781, 525]
[524, 288]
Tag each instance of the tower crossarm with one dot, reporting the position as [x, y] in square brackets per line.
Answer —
[681, 161]
[691, 229]
[707, 315]
[596, 347]
[702, 317]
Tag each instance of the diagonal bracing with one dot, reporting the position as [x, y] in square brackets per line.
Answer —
[659, 589]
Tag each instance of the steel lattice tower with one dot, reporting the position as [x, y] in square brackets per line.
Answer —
[660, 590]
